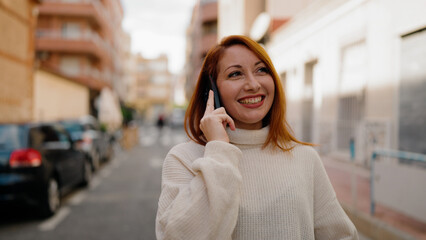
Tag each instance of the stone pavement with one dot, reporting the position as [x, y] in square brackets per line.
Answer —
[387, 223]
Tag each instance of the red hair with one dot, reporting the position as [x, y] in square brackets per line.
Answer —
[280, 134]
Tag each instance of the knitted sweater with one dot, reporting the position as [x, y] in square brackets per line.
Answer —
[241, 191]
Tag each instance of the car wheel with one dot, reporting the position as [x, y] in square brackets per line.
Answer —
[52, 199]
[87, 174]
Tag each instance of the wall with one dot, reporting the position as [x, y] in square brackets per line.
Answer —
[327, 32]
[17, 24]
[58, 98]
[397, 186]
[230, 17]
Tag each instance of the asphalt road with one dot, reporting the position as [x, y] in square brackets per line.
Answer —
[120, 203]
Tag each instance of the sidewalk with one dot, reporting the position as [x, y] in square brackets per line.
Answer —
[386, 224]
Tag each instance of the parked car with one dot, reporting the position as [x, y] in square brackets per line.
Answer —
[39, 163]
[97, 144]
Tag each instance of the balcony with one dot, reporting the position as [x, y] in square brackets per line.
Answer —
[209, 12]
[87, 43]
[88, 76]
[90, 9]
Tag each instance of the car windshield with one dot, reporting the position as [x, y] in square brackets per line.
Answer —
[11, 137]
[75, 129]
[73, 126]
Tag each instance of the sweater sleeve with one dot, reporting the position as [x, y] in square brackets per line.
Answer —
[200, 200]
[330, 220]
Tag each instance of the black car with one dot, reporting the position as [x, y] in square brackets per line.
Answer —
[38, 164]
[97, 144]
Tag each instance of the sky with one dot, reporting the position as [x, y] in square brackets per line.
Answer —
[158, 27]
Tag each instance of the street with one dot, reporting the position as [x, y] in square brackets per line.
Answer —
[120, 203]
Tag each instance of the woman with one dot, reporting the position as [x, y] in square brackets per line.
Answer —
[243, 175]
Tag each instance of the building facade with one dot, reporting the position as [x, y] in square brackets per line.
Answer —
[201, 36]
[81, 41]
[354, 73]
[17, 23]
[239, 17]
[153, 88]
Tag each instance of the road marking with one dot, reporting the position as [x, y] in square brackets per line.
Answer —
[78, 198]
[54, 221]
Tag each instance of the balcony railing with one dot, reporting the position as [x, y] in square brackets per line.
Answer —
[87, 36]
[105, 75]
[97, 5]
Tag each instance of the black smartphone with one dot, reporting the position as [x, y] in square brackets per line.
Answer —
[212, 86]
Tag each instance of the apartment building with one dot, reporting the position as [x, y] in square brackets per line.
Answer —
[153, 89]
[17, 23]
[257, 19]
[201, 36]
[355, 73]
[352, 71]
[80, 42]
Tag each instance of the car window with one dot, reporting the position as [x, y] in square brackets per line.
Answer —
[42, 135]
[11, 137]
[36, 137]
[62, 136]
[73, 127]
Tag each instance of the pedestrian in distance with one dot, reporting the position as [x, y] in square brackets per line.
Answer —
[243, 175]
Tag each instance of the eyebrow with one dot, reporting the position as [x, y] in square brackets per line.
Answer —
[239, 66]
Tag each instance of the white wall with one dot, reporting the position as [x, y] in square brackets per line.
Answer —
[322, 33]
[230, 17]
[399, 186]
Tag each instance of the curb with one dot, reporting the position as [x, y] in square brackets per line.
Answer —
[374, 228]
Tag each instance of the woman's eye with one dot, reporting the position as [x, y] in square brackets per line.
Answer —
[234, 74]
[263, 69]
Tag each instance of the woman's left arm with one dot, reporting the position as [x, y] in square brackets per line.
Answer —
[330, 220]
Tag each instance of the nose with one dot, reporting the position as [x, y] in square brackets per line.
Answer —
[252, 84]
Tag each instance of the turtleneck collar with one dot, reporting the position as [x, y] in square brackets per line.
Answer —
[248, 137]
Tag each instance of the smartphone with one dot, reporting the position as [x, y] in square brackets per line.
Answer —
[215, 92]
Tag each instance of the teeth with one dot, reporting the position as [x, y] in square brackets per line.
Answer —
[251, 100]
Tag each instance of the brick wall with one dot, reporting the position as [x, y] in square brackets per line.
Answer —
[17, 24]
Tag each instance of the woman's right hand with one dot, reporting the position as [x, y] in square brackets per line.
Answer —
[214, 122]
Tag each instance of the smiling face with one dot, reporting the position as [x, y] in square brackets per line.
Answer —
[246, 87]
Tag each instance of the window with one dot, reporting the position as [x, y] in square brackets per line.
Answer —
[70, 65]
[308, 101]
[71, 30]
[159, 79]
[209, 27]
[353, 79]
[412, 93]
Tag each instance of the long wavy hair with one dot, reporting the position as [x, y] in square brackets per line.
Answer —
[280, 133]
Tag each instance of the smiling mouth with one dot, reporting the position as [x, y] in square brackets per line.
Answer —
[251, 100]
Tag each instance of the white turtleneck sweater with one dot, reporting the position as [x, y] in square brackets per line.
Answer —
[238, 190]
